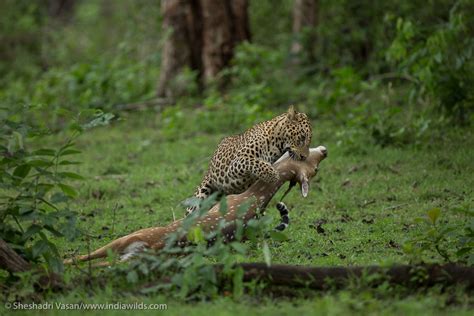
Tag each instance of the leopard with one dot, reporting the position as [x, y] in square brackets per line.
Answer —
[240, 160]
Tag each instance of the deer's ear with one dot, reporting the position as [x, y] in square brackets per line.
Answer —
[304, 187]
[291, 114]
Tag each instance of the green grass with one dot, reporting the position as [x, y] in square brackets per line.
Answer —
[340, 303]
[367, 199]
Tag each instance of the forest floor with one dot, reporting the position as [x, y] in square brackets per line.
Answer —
[362, 207]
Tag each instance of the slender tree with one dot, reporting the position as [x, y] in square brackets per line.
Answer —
[201, 35]
[304, 24]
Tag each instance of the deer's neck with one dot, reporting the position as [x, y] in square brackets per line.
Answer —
[263, 192]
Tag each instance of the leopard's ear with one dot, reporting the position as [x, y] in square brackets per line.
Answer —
[291, 114]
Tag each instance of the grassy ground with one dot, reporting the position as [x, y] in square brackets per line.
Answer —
[365, 201]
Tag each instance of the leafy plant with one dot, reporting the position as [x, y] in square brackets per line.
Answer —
[440, 60]
[36, 189]
[452, 243]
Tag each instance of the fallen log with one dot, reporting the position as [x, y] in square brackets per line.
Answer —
[322, 278]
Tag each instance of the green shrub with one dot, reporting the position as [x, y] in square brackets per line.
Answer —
[451, 243]
[36, 187]
[440, 60]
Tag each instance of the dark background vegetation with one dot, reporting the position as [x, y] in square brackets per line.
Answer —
[378, 79]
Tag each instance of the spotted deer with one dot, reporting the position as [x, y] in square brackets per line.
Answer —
[257, 196]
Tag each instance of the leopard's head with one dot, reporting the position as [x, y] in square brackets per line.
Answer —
[298, 133]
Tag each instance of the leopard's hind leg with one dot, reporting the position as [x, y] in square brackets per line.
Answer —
[203, 191]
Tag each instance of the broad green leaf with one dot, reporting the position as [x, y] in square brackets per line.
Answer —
[433, 215]
[53, 248]
[71, 175]
[266, 254]
[39, 163]
[59, 197]
[223, 206]
[69, 162]
[55, 264]
[196, 235]
[45, 187]
[40, 247]
[44, 152]
[32, 230]
[70, 152]
[68, 190]
[25, 210]
[143, 268]
[53, 230]
[21, 171]
[67, 145]
[463, 251]
[132, 276]
[239, 247]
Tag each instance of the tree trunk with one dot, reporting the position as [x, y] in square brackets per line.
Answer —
[177, 49]
[202, 35]
[10, 260]
[217, 37]
[62, 10]
[304, 36]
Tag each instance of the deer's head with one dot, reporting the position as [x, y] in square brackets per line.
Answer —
[303, 171]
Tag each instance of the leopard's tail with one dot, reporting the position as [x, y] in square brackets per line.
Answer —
[284, 216]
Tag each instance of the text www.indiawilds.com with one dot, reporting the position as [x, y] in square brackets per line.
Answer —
[85, 306]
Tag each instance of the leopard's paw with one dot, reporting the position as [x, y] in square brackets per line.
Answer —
[272, 176]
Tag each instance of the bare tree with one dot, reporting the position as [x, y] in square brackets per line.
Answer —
[201, 35]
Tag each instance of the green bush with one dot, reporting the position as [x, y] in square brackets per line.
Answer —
[440, 60]
[35, 193]
[451, 243]
[86, 86]
[37, 186]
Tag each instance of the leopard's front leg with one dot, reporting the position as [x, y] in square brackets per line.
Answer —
[257, 168]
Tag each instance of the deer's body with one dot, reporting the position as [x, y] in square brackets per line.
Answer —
[258, 196]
